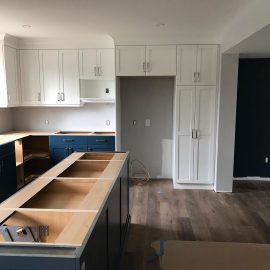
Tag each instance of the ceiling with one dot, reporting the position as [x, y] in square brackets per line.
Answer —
[118, 18]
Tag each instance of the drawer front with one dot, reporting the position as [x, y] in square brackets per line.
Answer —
[101, 140]
[7, 149]
[101, 148]
[68, 140]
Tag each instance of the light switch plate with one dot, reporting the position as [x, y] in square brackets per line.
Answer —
[147, 123]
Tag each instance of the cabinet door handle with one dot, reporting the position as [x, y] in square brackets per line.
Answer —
[194, 76]
[198, 76]
[192, 134]
[68, 140]
[39, 96]
[58, 97]
[95, 71]
[197, 134]
[99, 71]
[62, 96]
[148, 65]
[144, 64]
[101, 140]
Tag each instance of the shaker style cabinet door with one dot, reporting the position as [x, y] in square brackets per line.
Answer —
[186, 64]
[186, 100]
[130, 61]
[30, 80]
[11, 69]
[207, 65]
[88, 64]
[106, 64]
[50, 76]
[204, 125]
[69, 77]
[161, 60]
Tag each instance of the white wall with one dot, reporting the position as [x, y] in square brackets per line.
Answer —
[91, 117]
[5, 120]
[226, 123]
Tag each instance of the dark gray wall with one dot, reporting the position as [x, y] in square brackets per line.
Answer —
[148, 98]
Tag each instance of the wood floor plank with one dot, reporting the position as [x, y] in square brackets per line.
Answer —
[161, 212]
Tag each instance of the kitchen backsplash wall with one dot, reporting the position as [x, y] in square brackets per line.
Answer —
[91, 117]
[5, 120]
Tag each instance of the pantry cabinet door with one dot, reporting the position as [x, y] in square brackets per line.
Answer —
[204, 125]
[11, 68]
[50, 76]
[161, 60]
[186, 64]
[207, 65]
[186, 101]
[29, 75]
[69, 77]
[106, 64]
[130, 61]
[88, 64]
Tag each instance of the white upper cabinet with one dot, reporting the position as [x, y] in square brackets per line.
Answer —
[97, 64]
[50, 76]
[186, 64]
[197, 65]
[146, 60]
[88, 64]
[29, 75]
[10, 84]
[69, 77]
[130, 61]
[106, 64]
[161, 60]
[207, 65]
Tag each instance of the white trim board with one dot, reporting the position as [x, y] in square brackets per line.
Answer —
[193, 186]
[252, 178]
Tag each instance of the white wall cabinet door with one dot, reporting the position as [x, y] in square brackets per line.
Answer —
[204, 125]
[185, 116]
[161, 60]
[11, 70]
[130, 61]
[88, 64]
[106, 64]
[29, 75]
[50, 77]
[207, 65]
[186, 64]
[69, 77]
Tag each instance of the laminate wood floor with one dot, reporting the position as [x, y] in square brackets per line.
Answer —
[160, 212]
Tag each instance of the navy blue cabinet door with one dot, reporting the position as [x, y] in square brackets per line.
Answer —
[58, 153]
[8, 176]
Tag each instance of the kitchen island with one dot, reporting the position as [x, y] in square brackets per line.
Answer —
[75, 216]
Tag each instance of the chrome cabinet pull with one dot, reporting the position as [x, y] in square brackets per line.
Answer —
[95, 71]
[148, 67]
[144, 67]
[198, 76]
[58, 97]
[62, 96]
[99, 71]
[39, 96]
[194, 76]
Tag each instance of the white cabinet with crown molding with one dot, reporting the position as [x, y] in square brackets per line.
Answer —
[146, 60]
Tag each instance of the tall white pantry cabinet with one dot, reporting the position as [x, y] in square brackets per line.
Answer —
[195, 105]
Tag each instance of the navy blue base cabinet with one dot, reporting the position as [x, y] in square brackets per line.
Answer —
[63, 146]
[7, 171]
[101, 250]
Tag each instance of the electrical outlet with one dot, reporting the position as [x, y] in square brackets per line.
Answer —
[108, 122]
[147, 123]
[47, 122]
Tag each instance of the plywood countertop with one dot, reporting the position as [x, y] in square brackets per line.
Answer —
[83, 206]
[17, 135]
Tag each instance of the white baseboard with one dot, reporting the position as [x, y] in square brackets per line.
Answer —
[193, 186]
[252, 178]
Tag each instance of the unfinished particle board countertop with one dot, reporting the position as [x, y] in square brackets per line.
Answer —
[68, 198]
[17, 135]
